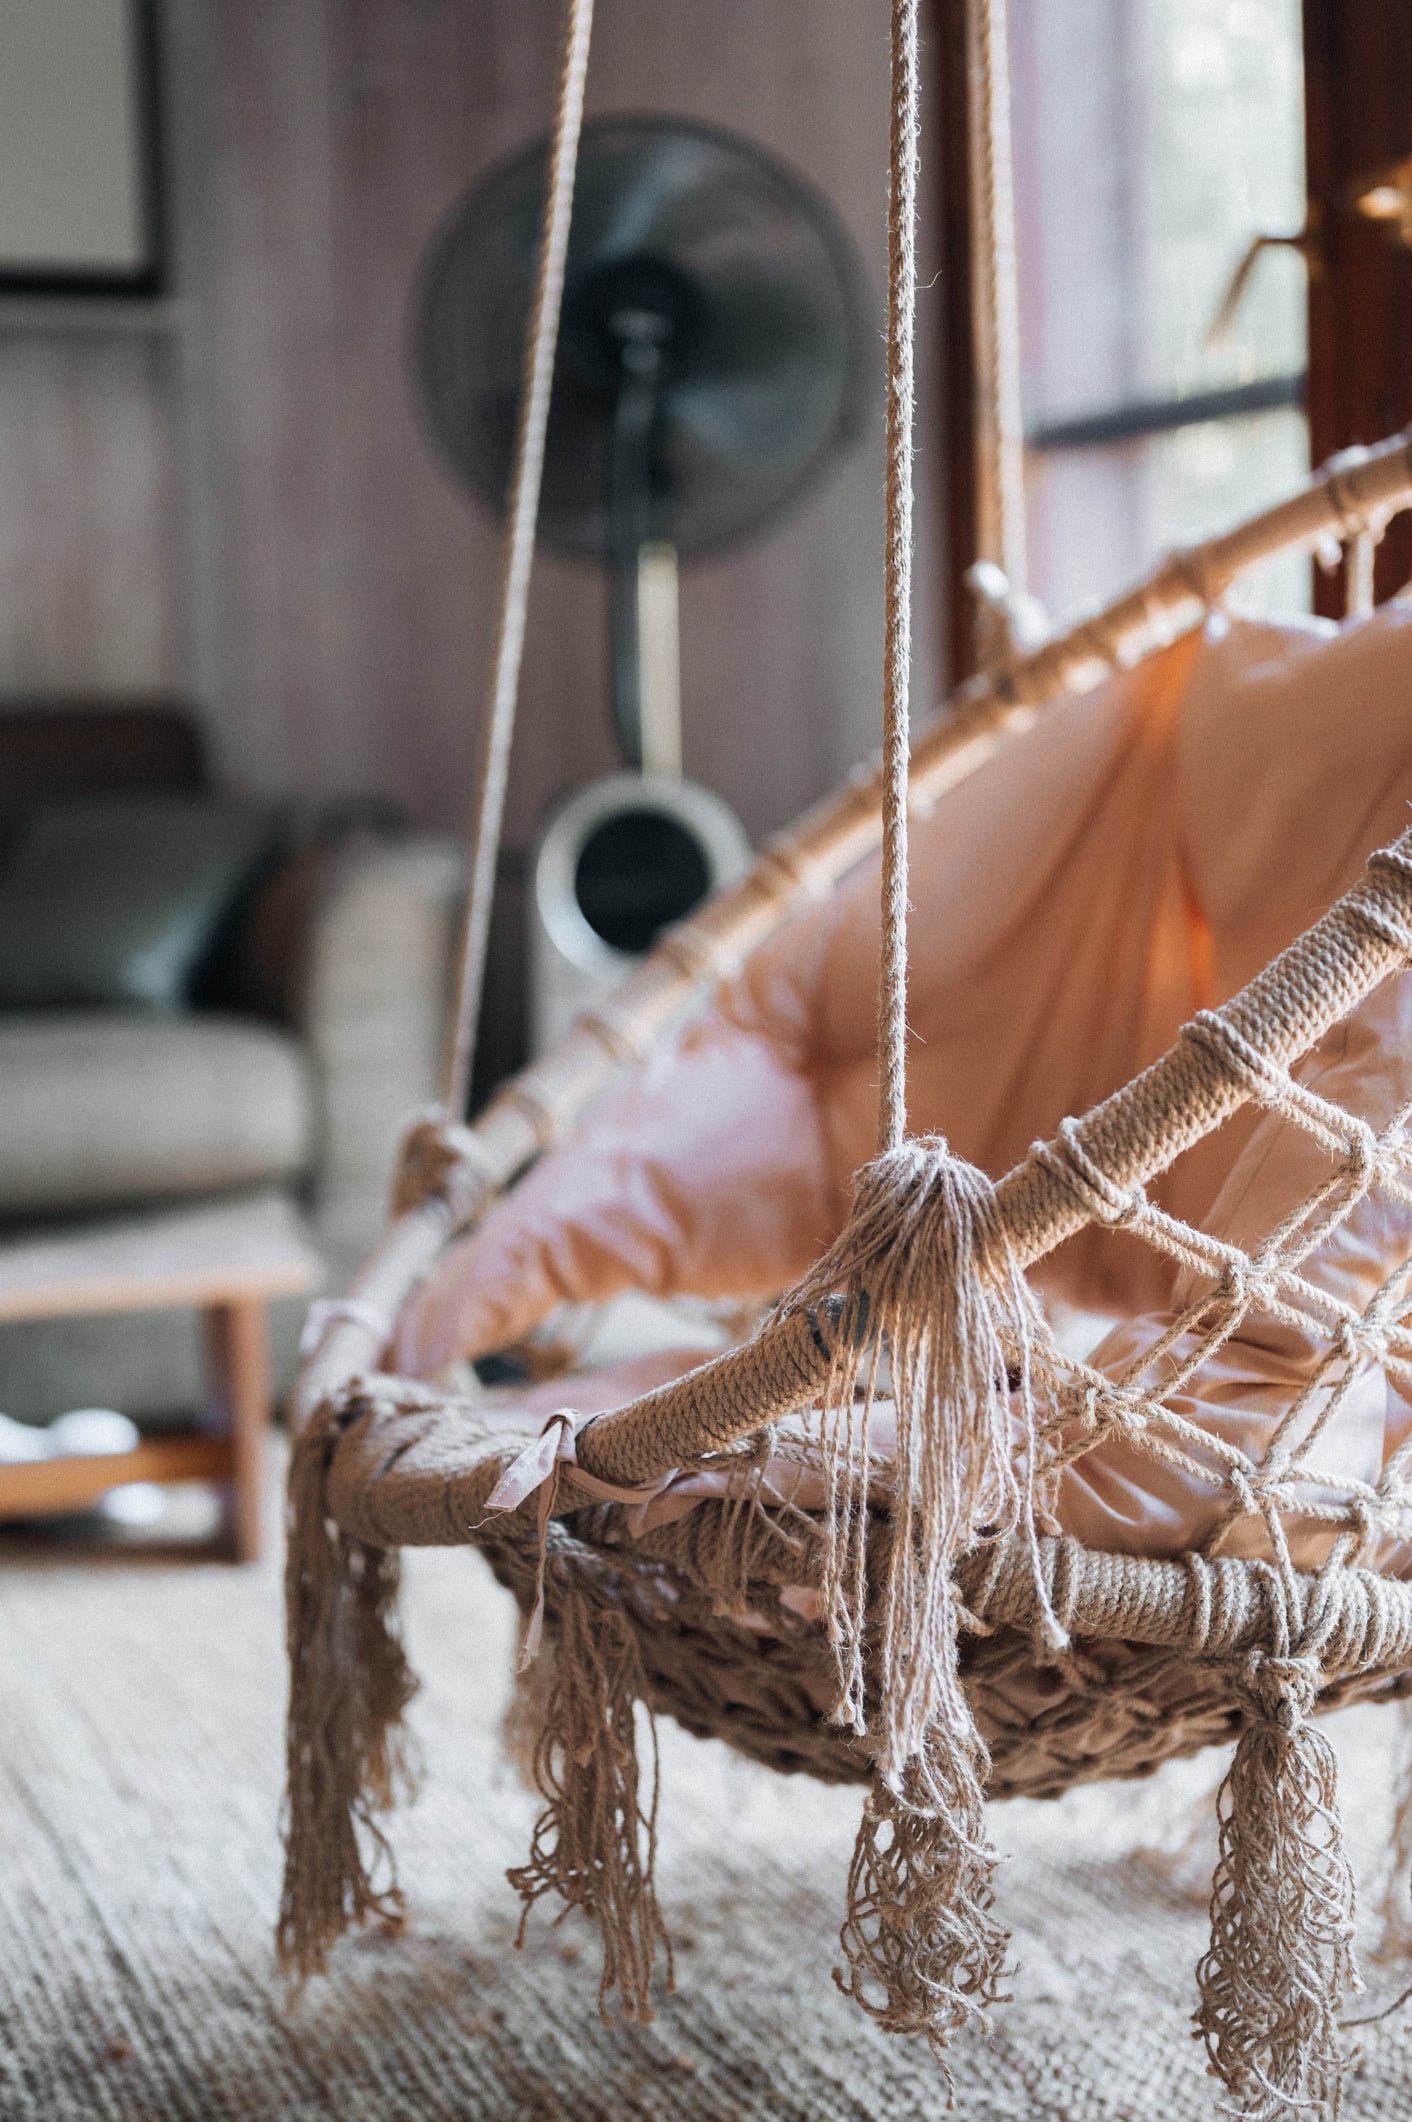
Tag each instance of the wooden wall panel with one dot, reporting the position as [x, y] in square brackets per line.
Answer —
[358, 583]
[255, 509]
[90, 588]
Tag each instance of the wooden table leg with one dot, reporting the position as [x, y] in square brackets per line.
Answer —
[238, 1375]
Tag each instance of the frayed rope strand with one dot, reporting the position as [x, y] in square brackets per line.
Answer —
[925, 1953]
[1281, 1962]
[346, 1754]
[595, 1844]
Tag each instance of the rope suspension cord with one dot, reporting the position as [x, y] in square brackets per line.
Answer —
[526, 479]
[897, 651]
[1000, 477]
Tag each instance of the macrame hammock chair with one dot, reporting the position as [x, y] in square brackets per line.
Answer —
[903, 1536]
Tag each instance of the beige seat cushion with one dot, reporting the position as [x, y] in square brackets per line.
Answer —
[102, 1107]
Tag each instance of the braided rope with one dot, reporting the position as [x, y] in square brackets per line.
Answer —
[526, 480]
[897, 736]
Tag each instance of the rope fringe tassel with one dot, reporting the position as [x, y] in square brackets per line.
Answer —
[924, 1951]
[346, 1756]
[595, 1844]
[1281, 1963]
[924, 1257]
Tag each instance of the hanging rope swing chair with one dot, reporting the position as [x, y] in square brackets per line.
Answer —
[856, 1544]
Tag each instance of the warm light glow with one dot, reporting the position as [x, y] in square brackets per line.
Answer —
[1385, 202]
[1389, 199]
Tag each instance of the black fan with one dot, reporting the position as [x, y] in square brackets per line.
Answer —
[711, 358]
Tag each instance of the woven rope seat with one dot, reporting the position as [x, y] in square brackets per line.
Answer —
[1163, 1671]
[784, 1601]
[850, 1545]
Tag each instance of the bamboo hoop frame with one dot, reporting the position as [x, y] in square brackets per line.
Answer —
[536, 1109]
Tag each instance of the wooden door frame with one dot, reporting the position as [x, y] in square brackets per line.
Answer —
[1358, 115]
[944, 59]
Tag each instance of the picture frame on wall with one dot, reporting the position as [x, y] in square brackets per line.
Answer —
[80, 149]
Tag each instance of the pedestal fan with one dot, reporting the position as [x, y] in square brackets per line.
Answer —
[711, 364]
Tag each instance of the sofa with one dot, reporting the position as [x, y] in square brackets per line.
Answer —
[312, 1027]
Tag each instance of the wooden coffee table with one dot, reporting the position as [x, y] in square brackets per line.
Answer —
[227, 1262]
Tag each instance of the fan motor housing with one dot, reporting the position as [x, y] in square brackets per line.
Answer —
[619, 862]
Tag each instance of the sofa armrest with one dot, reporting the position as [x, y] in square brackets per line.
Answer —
[355, 958]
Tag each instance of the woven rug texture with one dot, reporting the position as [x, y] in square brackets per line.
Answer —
[140, 1743]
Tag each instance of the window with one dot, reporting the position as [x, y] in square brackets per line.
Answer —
[1153, 140]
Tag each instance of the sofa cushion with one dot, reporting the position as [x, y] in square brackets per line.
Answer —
[120, 899]
[104, 1107]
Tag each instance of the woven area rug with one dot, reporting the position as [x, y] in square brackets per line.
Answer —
[140, 1734]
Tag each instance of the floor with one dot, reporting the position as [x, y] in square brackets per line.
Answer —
[140, 1734]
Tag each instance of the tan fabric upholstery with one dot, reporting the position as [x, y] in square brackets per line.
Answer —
[353, 941]
[103, 1107]
[368, 932]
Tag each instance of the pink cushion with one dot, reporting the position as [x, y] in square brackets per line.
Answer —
[1136, 856]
